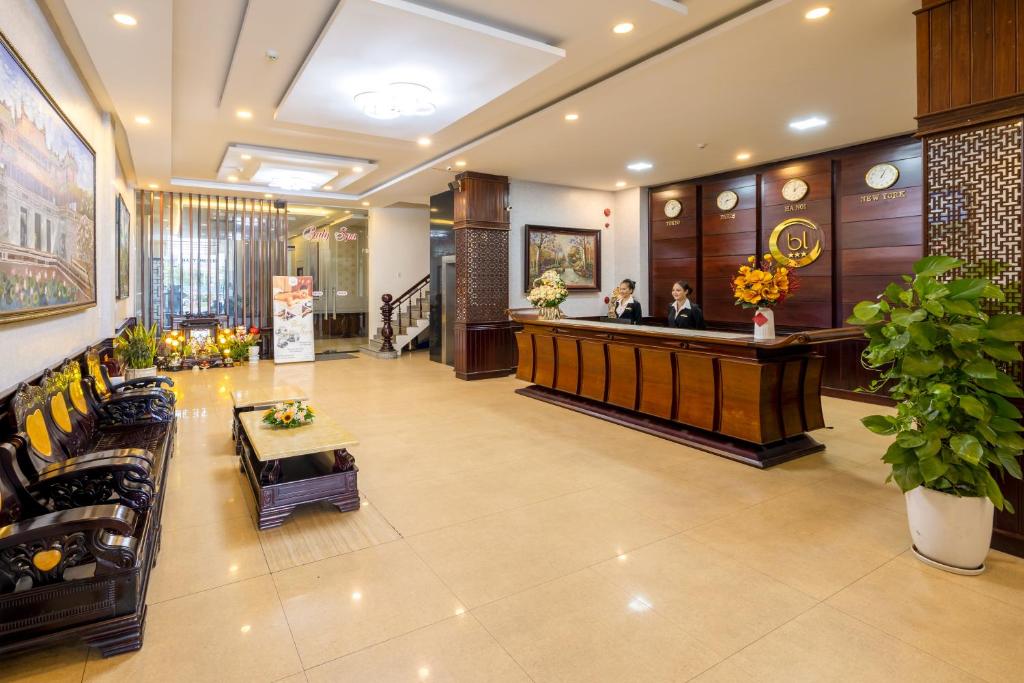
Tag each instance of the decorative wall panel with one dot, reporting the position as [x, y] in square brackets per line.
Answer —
[481, 275]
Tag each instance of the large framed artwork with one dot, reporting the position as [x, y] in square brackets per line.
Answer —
[47, 201]
[124, 222]
[573, 252]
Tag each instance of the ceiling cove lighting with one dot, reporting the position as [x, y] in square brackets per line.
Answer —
[817, 13]
[640, 166]
[243, 114]
[125, 19]
[397, 99]
[808, 123]
[624, 27]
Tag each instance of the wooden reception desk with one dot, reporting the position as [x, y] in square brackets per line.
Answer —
[721, 392]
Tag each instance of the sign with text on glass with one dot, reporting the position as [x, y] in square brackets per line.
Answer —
[293, 318]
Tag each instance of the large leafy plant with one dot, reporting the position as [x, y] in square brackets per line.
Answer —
[939, 356]
[136, 348]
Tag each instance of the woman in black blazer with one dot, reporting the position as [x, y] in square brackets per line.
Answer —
[627, 309]
[682, 312]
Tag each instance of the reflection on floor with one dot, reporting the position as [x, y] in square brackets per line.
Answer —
[504, 539]
[347, 345]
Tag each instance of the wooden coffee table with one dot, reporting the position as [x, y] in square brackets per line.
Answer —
[286, 468]
[244, 400]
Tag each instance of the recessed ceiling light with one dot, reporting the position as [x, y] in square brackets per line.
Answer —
[125, 19]
[233, 178]
[621, 183]
[246, 157]
[153, 186]
[142, 120]
[624, 27]
[268, 195]
[243, 114]
[366, 203]
[743, 156]
[572, 117]
[460, 163]
[357, 169]
[805, 124]
[817, 13]
[423, 142]
[434, 209]
[328, 187]
[640, 166]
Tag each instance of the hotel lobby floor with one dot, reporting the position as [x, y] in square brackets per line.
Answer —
[504, 539]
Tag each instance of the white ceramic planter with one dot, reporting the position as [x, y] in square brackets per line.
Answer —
[135, 373]
[950, 530]
[764, 324]
[254, 354]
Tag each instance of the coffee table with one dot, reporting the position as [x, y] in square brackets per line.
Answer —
[286, 468]
[244, 400]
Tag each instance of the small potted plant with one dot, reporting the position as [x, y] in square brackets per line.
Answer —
[548, 293]
[942, 359]
[136, 351]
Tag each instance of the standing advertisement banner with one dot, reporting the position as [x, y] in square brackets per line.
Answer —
[293, 318]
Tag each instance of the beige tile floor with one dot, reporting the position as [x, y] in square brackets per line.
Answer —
[504, 539]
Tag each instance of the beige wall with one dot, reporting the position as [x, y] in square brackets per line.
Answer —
[30, 346]
[399, 242]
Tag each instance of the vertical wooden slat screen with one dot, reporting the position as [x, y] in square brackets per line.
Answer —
[209, 255]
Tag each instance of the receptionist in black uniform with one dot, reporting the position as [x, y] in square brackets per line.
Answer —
[682, 312]
[627, 309]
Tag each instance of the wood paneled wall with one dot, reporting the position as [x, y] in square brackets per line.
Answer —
[675, 244]
[727, 239]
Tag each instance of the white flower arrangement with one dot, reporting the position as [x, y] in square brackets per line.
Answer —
[549, 291]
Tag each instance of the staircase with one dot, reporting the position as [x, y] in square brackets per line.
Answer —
[410, 318]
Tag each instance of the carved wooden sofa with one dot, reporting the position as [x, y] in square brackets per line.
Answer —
[92, 468]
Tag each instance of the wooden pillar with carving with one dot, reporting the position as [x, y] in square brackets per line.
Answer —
[970, 102]
[484, 345]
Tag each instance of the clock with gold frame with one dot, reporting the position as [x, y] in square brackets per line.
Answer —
[727, 200]
[795, 189]
[882, 176]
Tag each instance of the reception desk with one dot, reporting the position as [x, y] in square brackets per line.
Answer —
[722, 392]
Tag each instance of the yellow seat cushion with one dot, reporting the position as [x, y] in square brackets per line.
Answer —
[78, 398]
[59, 411]
[38, 437]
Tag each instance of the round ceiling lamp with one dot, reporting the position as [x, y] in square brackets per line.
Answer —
[398, 99]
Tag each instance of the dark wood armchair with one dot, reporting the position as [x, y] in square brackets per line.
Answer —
[105, 389]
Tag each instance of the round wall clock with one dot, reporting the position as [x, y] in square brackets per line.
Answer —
[794, 190]
[673, 208]
[727, 200]
[882, 176]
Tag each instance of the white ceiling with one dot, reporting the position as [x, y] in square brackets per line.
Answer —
[739, 72]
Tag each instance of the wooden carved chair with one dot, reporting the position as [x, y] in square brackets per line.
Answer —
[104, 389]
[60, 477]
[131, 403]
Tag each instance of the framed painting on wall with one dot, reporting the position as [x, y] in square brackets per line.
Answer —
[47, 201]
[574, 253]
[124, 221]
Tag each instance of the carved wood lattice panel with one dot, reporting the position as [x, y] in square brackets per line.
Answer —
[974, 206]
[481, 276]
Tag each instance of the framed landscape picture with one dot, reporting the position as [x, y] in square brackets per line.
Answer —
[124, 222]
[574, 253]
[47, 201]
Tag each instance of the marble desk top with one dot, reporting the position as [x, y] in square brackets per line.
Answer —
[270, 443]
[266, 396]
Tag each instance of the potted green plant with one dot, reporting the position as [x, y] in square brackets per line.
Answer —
[136, 351]
[942, 359]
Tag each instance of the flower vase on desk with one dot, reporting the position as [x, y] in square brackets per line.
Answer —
[550, 313]
[764, 324]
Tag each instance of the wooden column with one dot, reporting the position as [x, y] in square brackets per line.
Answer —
[970, 86]
[484, 345]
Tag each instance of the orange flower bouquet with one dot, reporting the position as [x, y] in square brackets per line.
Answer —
[763, 285]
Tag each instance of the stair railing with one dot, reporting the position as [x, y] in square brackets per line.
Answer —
[394, 304]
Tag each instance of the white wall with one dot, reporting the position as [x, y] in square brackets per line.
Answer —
[30, 346]
[399, 243]
[623, 243]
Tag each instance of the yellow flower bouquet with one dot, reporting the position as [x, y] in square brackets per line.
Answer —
[762, 285]
[289, 414]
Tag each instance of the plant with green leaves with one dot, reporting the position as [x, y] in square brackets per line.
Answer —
[938, 354]
[136, 348]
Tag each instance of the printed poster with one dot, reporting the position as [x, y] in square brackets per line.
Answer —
[293, 318]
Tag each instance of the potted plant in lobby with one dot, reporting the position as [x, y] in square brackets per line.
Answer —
[136, 351]
[956, 431]
[762, 287]
[548, 293]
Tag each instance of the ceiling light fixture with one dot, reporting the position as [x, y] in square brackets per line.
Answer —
[268, 195]
[153, 186]
[423, 142]
[125, 19]
[233, 178]
[808, 123]
[357, 169]
[142, 120]
[817, 13]
[640, 166]
[572, 117]
[366, 203]
[243, 114]
[460, 163]
[624, 27]
[328, 188]
[397, 99]
[246, 157]
[743, 156]
[621, 183]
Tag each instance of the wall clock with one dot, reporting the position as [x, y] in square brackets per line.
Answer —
[794, 190]
[727, 200]
[882, 176]
[673, 208]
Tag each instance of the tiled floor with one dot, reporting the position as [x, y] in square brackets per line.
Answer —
[504, 539]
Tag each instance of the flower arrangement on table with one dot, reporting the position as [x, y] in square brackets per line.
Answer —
[548, 293]
[763, 286]
[289, 414]
[234, 344]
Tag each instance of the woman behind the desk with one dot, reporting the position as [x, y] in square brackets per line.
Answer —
[627, 309]
[682, 312]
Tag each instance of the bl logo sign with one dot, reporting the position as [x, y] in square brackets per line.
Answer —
[795, 242]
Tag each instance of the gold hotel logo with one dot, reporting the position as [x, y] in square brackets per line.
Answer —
[795, 242]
